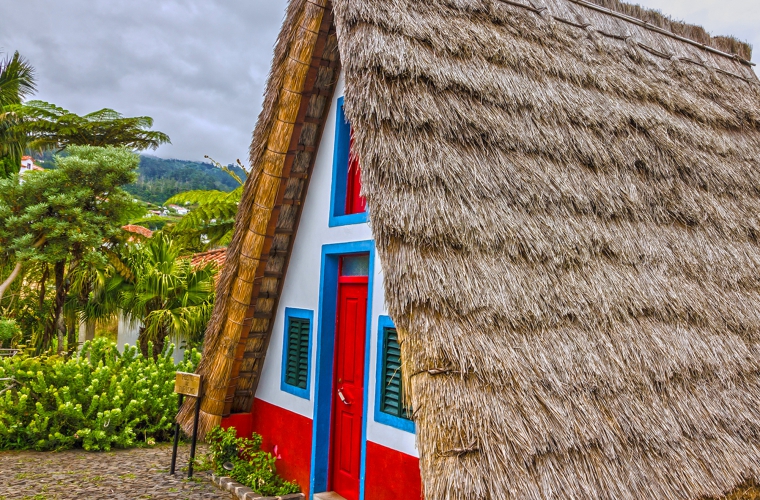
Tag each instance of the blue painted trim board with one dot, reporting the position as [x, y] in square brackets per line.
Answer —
[323, 387]
[291, 312]
[338, 215]
[404, 424]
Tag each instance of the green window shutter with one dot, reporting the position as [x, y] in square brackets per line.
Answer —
[392, 393]
[297, 366]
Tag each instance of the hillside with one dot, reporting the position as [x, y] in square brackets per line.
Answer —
[160, 179]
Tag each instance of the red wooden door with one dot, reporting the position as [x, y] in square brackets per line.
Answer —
[348, 386]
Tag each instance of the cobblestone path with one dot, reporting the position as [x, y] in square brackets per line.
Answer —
[123, 474]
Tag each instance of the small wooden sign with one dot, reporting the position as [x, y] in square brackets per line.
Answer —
[188, 384]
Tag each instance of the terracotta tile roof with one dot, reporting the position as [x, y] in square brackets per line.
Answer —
[218, 257]
[142, 231]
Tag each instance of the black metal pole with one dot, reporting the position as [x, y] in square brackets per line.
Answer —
[195, 436]
[176, 436]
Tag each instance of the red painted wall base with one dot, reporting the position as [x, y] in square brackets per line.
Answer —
[290, 435]
[391, 475]
[242, 422]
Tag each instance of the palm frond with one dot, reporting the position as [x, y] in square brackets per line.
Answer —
[17, 80]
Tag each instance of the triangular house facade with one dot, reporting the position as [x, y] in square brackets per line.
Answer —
[555, 234]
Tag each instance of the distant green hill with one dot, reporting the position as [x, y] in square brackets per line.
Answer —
[160, 179]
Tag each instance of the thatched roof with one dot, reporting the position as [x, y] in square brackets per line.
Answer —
[566, 204]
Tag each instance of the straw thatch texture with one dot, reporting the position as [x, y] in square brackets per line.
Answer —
[567, 210]
[697, 33]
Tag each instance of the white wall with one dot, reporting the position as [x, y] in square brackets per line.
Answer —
[127, 335]
[301, 290]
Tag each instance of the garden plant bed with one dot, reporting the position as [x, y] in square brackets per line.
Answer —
[245, 493]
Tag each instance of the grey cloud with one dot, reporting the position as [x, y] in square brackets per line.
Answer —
[197, 66]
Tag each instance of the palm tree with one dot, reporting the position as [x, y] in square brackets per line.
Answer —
[16, 83]
[158, 288]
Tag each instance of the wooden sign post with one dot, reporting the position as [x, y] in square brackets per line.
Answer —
[187, 384]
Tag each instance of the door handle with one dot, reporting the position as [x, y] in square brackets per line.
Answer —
[343, 398]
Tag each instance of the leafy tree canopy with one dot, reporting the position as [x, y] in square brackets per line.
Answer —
[66, 218]
[69, 211]
[51, 127]
[38, 125]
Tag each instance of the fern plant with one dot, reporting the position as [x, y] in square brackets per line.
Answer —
[212, 218]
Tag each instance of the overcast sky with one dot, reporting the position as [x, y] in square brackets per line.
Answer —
[198, 67]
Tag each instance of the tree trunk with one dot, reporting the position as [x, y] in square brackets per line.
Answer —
[158, 344]
[7, 283]
[17, 270]
[43, 285]
[56, 323]
[72, 332]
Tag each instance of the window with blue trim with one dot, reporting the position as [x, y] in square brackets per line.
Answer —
[392, 392]
[296, 355]
[391, 408]
[347, 205]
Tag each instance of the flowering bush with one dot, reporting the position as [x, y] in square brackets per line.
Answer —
[97, 400]
[250, 466]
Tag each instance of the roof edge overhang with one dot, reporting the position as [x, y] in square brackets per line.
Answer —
[283, 151]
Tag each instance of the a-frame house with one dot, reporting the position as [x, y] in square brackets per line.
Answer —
[497, 249]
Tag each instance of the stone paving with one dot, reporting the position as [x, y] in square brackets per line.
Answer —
[123, 474]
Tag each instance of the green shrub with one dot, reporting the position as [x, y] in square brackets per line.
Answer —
[9, 332]
[250, 466]
[97, 400]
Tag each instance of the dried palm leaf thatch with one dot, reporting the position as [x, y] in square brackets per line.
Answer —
[567, 210]
[697, 33]
[271, 139]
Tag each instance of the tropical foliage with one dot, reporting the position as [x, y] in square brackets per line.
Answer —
[37, 125]
[96, 400]
[16, 83]
[51, 127]
[59, 221]
[153, 284]
[250, 466]
[212, 218]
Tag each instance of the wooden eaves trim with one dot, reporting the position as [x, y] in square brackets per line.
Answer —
[319, 85]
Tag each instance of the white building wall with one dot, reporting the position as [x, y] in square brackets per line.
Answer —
[302, 288]
[127, 335]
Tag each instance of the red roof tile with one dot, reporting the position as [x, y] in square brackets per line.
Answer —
[218, 257]
[142, 231]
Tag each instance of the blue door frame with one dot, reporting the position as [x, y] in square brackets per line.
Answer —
[328, 301]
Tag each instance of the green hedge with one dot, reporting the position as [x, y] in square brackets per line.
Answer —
[97, 400]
